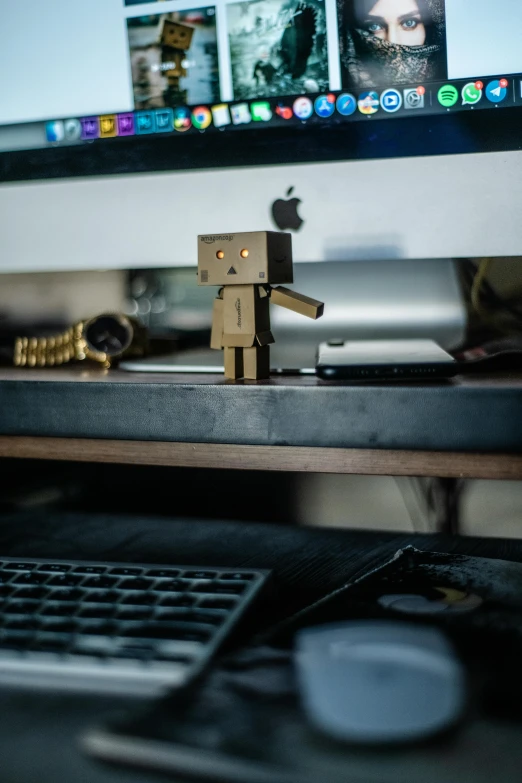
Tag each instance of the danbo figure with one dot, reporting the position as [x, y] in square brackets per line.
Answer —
[176, 36]
[246, 265]
[175, 40]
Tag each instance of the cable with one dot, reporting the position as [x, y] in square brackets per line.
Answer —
[476, 288]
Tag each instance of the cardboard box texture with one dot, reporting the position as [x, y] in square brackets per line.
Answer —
[256, 362]
[216, 335]
[299, 303]
[246, 316]
[268, 258]
[233, 358]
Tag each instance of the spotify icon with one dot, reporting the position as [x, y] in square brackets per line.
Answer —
[448, 96]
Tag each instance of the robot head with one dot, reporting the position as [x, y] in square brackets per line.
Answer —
[175, 35]
[249, 258]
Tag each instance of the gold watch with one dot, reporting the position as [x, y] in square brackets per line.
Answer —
[103, 339]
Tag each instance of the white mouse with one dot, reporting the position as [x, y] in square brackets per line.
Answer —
[379, 681]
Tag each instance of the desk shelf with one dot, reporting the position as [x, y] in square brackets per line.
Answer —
[469, 427]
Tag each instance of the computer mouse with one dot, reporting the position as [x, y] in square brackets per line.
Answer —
[379, 682]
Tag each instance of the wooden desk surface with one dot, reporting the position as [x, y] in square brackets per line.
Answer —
[468, 427]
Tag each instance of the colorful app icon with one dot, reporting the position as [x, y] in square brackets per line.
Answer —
[303, 108]
[164, 120]
[221, 115]
[201, 117]
[240, 114]
[145, 122]
[472, 93]
[182, 120]
[448, 96]
[285, 112]
[261, 111]
[90, 128]
[126, 124]
[368, 102]
[72, 129]
[108, 126]
[496, 91]
[54, 130]
[324, 106]
[391, 101]
[414, 98]
[346, 104]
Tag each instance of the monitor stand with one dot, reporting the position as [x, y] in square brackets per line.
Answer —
[367, 300]
[364, 300]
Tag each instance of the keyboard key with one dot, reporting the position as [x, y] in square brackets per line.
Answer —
[140, 655]
[57, 610]
[172, 615]
[89, 652]
[126, 571]
[101, 597]
[173, 658]
[51, 644]
[199, 574]
[21, 607]
[177, 600]
[166, 573]
[66, 594]
[207, 618]
[22, 624]
[167, 632]
[15, 641]
[97, 612]
[31, 578]
[90, 570]
[226, 588]
[136, 613]
[98, 629]
[237, 576]
[69, 580]
[60, 626]
[54, 568]
[36, 593]
[217, 603]
[101, 581]
[174, 586]
[136, 584]
[138, 599]
[19, 566]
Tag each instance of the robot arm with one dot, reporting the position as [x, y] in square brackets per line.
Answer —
[297, 302]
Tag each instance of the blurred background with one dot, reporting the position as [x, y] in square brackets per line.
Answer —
[171, 305]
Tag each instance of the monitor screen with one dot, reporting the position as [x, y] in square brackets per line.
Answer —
[170, 83]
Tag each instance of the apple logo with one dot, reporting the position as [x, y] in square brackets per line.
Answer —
[284, 213]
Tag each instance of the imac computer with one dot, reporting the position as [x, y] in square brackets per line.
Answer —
[374, 130]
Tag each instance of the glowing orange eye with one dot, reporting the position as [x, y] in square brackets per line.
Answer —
[220, 254]
[244, 253]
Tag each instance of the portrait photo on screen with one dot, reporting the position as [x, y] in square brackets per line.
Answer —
[277, 47]
[174, 58]
[388, 42]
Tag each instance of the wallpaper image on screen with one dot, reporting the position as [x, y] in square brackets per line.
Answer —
[388, 42]
[174, 58]
[277, 47]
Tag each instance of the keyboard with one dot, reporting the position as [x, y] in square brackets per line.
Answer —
[132, 629]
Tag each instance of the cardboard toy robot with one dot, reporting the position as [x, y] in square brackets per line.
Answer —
[246, 266]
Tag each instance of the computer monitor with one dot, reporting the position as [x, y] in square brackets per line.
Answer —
[372, 129]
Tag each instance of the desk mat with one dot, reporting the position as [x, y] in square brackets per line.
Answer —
[244, 722]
